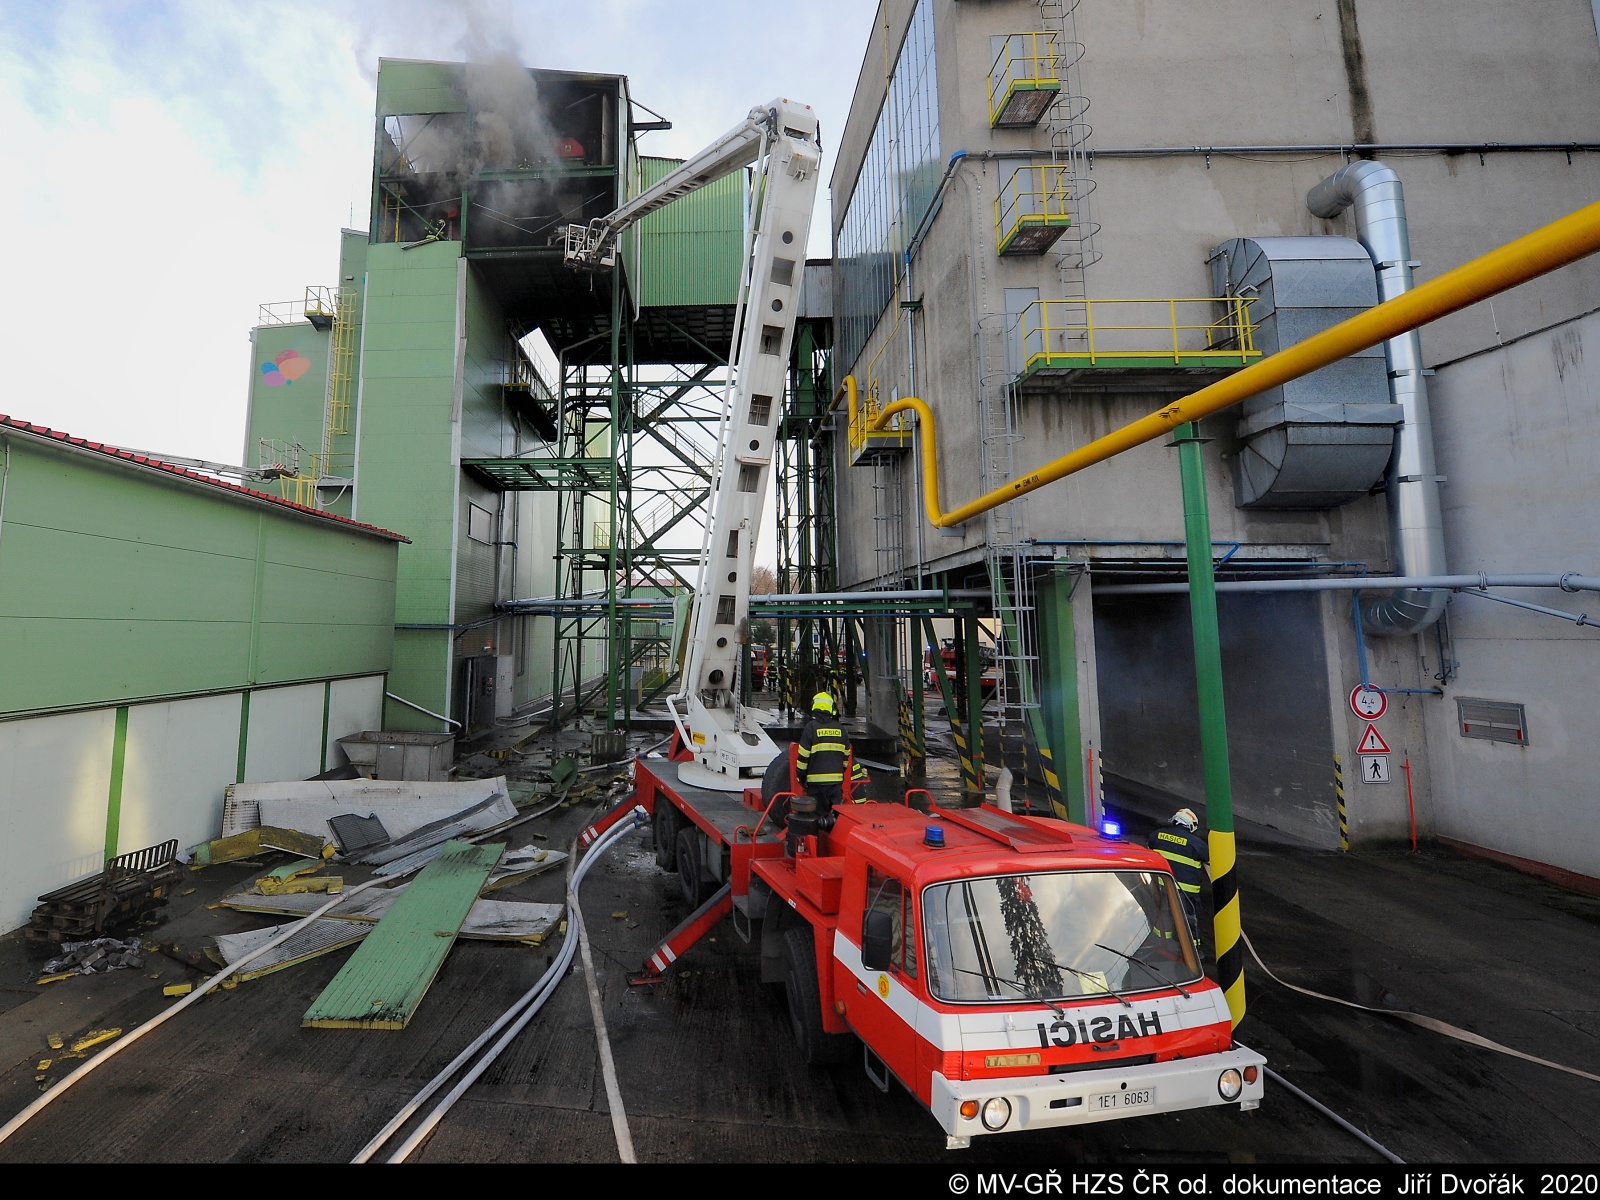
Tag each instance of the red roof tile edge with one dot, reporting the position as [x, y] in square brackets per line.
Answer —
[184, 472]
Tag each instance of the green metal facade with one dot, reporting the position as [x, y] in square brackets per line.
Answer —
[689, 251]
[406, 472]
[285, 409]
[120, 583]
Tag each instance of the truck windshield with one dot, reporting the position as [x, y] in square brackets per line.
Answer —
[1055, 936]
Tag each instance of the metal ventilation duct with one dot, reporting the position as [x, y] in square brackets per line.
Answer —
[1416, 526]
[1324, 439]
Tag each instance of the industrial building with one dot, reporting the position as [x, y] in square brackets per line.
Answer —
[1050, 219]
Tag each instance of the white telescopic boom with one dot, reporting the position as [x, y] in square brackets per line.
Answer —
[594, 244]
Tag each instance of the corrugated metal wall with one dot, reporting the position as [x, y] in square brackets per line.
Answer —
[689, 251]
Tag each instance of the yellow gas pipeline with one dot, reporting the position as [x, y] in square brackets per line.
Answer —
[1555, 245]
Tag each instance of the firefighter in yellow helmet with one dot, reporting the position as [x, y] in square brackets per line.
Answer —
[1180, 843]
[825, 758]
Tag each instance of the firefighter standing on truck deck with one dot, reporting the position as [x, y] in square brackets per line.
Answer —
[824, 758]
[1180, 843]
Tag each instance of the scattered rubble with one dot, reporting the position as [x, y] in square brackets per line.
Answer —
[94, 956]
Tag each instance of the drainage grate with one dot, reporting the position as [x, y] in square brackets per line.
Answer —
[354, 832]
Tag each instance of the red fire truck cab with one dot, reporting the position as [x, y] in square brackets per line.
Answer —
[1012, 972]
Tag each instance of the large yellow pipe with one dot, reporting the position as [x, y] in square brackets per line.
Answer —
[1555, 245]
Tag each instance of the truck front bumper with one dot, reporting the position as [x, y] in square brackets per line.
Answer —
[1080, 1098]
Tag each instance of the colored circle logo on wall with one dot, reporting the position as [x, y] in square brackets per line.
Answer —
[285, 368]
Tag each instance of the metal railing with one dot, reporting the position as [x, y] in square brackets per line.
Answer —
[1034, 196]
[1181, 331]
[1027, 62]
[864, 412]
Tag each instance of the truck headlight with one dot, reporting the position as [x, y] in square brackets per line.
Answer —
[996, 1113]
[1229, 1084]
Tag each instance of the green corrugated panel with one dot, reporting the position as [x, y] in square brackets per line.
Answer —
[407, 86]
[382, 984]
[689, 251]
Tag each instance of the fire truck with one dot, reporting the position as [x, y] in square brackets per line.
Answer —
[1014, 973]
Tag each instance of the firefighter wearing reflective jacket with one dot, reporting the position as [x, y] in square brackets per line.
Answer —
[825, 758]
[1180, 843]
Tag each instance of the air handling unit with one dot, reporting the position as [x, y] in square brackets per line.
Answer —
[1324, 439]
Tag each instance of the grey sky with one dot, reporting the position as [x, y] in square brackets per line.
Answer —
[169, 166]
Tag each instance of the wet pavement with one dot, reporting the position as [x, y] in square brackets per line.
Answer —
[708, 1072]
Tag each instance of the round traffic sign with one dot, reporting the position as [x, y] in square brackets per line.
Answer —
[1368, 703]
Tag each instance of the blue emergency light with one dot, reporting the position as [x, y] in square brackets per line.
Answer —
[933, 836]
[1110, 828]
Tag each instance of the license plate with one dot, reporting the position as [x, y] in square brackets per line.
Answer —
[1118, 1101]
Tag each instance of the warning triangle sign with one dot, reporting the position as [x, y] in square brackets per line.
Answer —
[1372, 742]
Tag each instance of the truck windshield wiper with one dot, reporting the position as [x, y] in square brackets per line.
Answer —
[1139, 962]
[1022, 991]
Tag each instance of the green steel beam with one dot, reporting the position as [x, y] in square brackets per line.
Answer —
[1213, 717]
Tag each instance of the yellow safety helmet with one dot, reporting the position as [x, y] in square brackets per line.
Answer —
[822, 702]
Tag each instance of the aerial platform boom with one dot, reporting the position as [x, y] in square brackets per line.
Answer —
[729, 746]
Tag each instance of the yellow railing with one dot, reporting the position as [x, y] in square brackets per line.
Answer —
[1134, 333]
[1033, 206]
[1023, 79]
[863, 412]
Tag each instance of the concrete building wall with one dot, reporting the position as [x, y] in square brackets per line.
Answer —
[1163, 77]
[1517, 427]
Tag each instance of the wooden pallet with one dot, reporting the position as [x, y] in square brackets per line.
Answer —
[131, 885]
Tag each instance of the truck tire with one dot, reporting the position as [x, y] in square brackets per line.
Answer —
[692, 881]
[775, 778]
[664, 828]
[818, 1048]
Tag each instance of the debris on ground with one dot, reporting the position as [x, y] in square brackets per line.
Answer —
[95, 1037]
[177, 989]
[385, 979]
[240, 846]
[400, 807]
[93, 956]
[296, 877]
[54, 1040]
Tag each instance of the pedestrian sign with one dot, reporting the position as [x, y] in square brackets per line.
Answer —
[1372, 742]
[1374, 768]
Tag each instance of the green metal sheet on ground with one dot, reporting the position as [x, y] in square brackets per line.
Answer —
[384, 981]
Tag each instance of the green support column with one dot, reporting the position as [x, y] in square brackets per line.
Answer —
[1213, 717]
[974, 663]
[1058, 700]
[119, 751]
[919, 733]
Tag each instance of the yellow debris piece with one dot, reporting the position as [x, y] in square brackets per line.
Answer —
[620, 916]
[177, 989]
[94, 1038]
[44, 1064]
[44, 979]
[54, 1041]
[333, 884]
[229, 984]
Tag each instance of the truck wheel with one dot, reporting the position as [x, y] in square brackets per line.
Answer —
[664, 828]
[691, 875]
[775, 778]
[818, 1048]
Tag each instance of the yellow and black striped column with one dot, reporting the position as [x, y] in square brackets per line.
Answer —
[1225, 925]
[1338, 791]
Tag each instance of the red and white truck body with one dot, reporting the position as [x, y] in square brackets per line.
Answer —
[1012, 972]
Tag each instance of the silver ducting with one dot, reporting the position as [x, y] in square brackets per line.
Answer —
[1326, 438]
[1416, 527]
